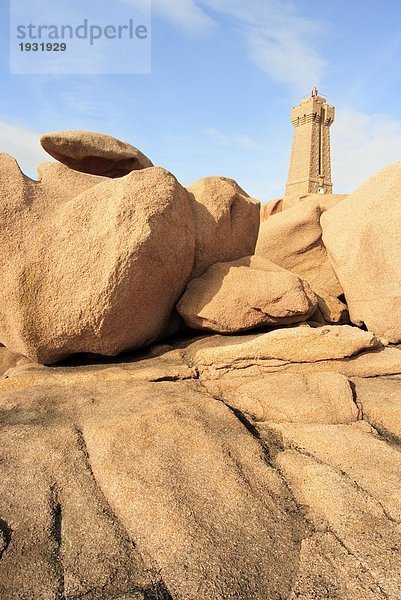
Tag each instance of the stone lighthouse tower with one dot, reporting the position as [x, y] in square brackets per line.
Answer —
[310, 164]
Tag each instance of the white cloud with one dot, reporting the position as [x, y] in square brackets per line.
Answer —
[24, 145]
[361, 145]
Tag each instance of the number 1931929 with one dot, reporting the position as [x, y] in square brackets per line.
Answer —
[42, 47]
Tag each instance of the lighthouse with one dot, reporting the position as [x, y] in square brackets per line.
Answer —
[310, 162]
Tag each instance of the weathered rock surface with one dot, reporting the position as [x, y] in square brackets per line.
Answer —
[100, 273]
[380, 401]
[128, 480]
[345, 448]
[270, 208]
[363, 238]
[325, 201]
[94, 153]
[58, 184]
[227, 222]
[293, 240]
[297, 398]
[331, 309]
[344, 476]
[245, 294]
[137, 490]
[355, 550]
[10, 360]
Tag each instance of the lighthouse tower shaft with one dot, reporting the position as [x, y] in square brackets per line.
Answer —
[310, 163]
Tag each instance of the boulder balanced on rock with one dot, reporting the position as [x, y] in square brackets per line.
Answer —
[104, 245]
[98, 264]
[94, 153]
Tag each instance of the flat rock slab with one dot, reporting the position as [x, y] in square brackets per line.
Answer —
[346, 448]
[127, 480]
[355, 550]
[302, 344]
[297, 398]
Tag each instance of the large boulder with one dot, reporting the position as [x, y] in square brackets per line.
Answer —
[227, 222]
[100, 273]
[245, 294]
[94, 153]
[363, 239]
[293, 240]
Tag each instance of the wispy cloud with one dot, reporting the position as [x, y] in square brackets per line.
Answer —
[186, 14]
[238, 140]
[24, 145]
[279, 39]
[361, 145]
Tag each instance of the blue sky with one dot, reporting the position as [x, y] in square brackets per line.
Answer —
[225, 74]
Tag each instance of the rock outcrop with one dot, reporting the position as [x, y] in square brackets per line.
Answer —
[94, 153]
[124, 479]
[263, 466]
[245, 294]
[363, 239]
[130, 490]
